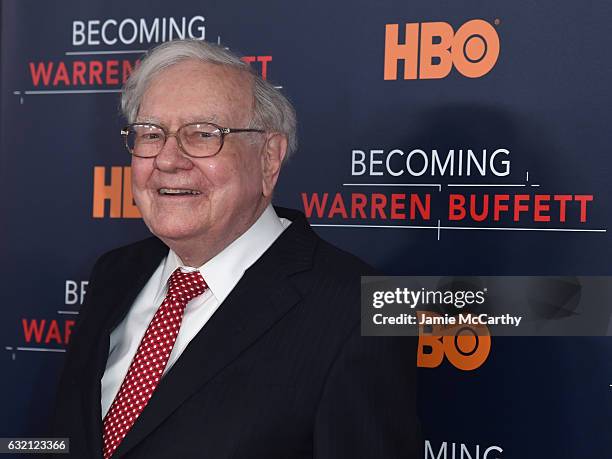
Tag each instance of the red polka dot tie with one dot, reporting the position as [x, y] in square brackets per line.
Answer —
[151, 358]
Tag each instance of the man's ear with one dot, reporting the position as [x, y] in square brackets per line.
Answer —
[274, 152]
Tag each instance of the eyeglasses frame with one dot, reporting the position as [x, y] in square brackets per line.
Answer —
[222, 130]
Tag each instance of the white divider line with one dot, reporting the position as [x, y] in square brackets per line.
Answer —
[67, 312]
[374, 226]
[40, 349]
[501, 228]
[485, 184]
[437, 185]
[92, 53]
[71, 91]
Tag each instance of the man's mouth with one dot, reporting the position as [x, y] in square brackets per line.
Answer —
[177, 192]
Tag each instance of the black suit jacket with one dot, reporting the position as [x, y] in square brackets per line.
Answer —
[279, 371]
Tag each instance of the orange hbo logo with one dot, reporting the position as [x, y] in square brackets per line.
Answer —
[465, 346]
[117, 192]
[431, 49]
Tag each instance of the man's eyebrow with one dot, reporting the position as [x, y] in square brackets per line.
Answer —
[195, 119]
[147, 119]
[187, 120]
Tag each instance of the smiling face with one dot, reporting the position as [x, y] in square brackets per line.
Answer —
[228, 191]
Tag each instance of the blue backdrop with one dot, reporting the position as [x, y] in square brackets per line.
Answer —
[545, 101]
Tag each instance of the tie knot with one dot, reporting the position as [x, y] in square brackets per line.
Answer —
[186, 285]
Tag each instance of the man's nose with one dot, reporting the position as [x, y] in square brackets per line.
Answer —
[171, 157]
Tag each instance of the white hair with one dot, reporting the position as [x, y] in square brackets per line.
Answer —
[272, 111]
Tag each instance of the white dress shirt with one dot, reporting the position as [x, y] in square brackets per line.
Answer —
[221, 273]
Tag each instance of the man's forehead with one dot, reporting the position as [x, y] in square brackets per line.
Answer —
[197, 91]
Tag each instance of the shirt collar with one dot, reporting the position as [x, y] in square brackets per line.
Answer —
[224, 270]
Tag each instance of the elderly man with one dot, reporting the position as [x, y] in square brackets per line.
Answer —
[234, 332]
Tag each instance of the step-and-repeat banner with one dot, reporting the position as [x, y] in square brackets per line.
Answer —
[436, 138]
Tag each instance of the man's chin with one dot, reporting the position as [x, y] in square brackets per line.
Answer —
[173, 234]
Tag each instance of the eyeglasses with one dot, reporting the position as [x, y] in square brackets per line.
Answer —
[198, 140]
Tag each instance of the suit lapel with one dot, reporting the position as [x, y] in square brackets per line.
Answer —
[110, 303]
[261, 298]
